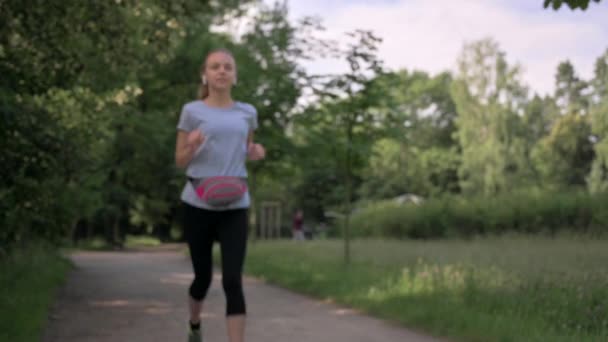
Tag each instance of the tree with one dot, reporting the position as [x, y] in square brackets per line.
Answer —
[598, 179]
[418, 154]
[570, 89]
[68, 71]
[488, 96]
[316, 179]
[268, 67]
[394, 168]
[537, 120]
[564, 156]
[346, 101]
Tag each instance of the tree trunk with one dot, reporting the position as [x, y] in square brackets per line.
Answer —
[348, 185]
[116, 241]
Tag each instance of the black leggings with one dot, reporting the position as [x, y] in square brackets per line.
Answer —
[202, 227]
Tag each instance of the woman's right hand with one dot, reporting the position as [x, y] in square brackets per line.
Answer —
[195, 139]
[186, 146]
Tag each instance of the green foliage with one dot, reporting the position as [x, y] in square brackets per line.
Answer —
[90, 94]
[269, 75]
[598, 178]
[51, 45]
[564, 156]
[455, 216]
[569, 89]
[98, 44]
[47, 165]
[89, 98]
[488, 97]
[416, 151]
[573, 4]
[394, 169]
[348, 99]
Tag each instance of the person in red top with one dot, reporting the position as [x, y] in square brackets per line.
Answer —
[298, 222]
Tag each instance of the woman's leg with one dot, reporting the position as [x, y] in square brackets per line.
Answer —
[235, 324]
[232, 231]
[199, 233]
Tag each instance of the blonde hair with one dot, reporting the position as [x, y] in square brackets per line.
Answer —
[203, 91]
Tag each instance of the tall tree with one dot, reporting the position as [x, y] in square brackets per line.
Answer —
[564, 156]
[537, 119]
[570, 89]
[488, 96]
[598, 179]
[346, 101]
[269, 72]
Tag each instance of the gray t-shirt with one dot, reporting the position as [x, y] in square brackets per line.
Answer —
[224, 151]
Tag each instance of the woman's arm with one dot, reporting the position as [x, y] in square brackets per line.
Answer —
[186, 145]
[250, 138]
[254, 151]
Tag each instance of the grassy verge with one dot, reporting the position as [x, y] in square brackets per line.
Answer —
[492, 289]
[141, 241]
[131, 241]
[28, 282]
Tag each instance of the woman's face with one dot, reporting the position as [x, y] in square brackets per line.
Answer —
[220, 71]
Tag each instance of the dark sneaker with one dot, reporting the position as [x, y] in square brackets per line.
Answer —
[195, 336]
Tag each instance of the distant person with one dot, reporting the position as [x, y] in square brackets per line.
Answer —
[214, 140]
[298, 225]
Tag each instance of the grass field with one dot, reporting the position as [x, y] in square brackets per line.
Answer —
[492, 289]
[29, 280]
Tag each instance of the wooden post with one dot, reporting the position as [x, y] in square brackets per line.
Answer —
[270, 220]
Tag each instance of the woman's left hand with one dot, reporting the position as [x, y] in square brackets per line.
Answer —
[255, 152]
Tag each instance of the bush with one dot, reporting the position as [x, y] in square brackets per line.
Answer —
[525, 212]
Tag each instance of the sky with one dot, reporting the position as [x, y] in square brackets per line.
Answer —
[429, 34]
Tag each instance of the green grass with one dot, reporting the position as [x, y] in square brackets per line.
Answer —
[131, 241]
[29, 280]
[491, 289]
[141, 241]
[92, 244]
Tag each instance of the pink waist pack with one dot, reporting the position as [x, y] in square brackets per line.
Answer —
[220, 191]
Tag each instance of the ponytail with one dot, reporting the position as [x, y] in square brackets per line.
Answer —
[203, 91]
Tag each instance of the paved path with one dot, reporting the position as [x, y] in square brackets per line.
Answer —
[141, 296]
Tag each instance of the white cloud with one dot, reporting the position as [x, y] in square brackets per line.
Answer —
[429, 35]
